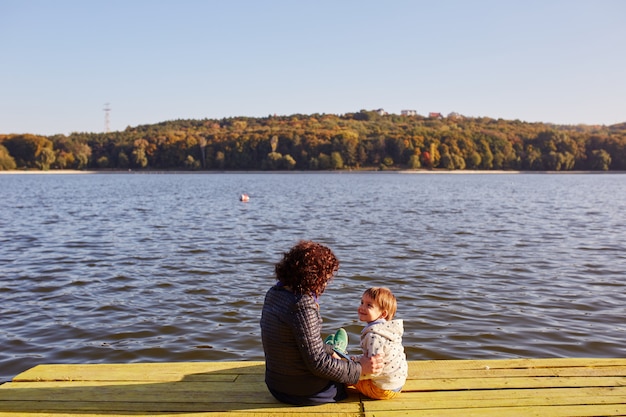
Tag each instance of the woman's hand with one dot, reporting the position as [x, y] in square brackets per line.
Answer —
[371, 366]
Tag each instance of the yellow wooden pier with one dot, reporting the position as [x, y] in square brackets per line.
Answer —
[516, 387]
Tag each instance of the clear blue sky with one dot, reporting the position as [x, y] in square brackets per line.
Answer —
[556, 61]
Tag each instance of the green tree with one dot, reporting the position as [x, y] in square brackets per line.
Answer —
[347, 143]
[45, 158]
[600, 160]
[73, 151]
[191, 163]
[486, 156]
[220, 159]
[534, 160]
[446, 161]
[82, 155]
[139, 157]
[122, 160]
[273, 161]
[394, 148]
[387, 162]
[63, 160]
[27, 150]
[103, 162]
[616, 148]
[7, 162]
[202, 142]
[336, 161]
[414, 162]
[323, 161]
[459, 162]
[288, 162]
[474, 160]
[139, 153]
[361, 157]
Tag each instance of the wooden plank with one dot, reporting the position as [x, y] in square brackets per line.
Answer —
[174, 371]
[13, 388]
[167, 371]
[521, 372]
[539, 411]
[499, 398]
[515, 363]
[149, 408]
[134, 392]
[510, 383]
[182, 404]
[291, 412]
[301, 412]
[151, 398]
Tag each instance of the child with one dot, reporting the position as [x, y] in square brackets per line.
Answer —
[382, 335]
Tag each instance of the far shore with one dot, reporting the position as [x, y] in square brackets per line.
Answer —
[365, 171]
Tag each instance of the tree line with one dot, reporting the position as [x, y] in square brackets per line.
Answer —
[361, 140]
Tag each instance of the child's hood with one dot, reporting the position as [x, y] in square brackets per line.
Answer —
[391, 330]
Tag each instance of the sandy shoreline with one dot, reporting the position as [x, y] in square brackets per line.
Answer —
[412, 172]
[55, 172]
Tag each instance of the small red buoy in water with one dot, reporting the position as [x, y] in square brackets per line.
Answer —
[244, 197]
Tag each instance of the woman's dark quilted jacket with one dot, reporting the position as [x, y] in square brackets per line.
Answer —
[297, 362]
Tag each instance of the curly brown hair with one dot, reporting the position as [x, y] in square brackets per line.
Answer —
[307, 268]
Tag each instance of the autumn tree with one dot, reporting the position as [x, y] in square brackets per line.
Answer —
[7, 162]
[30, 151]
[140, 159]
[336, 161]
[600, 160]
[365, 139]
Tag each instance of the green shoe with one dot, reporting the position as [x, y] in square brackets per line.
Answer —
[340, 341]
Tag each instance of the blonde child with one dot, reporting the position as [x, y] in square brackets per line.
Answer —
[383, 335]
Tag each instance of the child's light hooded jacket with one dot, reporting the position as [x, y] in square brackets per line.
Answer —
[382, 336]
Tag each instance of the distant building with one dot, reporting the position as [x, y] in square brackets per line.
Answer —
[433, 115]
[455, 116]
[408, 112]
[381, 112]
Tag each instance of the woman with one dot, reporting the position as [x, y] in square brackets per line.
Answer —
[299, 368]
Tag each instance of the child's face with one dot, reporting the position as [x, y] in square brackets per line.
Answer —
[369, 310]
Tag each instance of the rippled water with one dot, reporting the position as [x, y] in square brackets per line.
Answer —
[126, 268]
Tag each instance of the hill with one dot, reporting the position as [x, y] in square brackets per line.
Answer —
[360, 140]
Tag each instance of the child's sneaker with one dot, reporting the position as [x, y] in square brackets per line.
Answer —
[339, 342]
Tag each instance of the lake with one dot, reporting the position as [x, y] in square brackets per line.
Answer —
[173, 267]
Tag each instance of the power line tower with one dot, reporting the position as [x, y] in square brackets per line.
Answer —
[107, 117]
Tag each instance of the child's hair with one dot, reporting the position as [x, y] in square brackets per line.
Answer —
[384, 298]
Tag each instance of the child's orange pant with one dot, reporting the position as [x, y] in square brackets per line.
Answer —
[367, 388]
